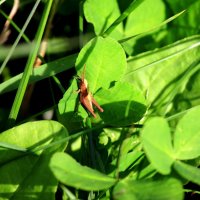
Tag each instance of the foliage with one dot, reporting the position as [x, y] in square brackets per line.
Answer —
[141, 62]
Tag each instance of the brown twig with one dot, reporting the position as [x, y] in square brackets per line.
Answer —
[6, 29]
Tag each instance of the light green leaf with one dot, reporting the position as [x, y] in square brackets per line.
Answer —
[152, 29]
[123, 16]
[71, 173]
[146, 16]
[163, 73]
[26, 175]
[123, 104]
[187, 136]
[129, 159]
[102, 15]
[188, 172]
[147, 172]
[109, 135]
[167, 189]
[156, 140]
[105, 62]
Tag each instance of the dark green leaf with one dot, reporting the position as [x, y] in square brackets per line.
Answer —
[123, 104]
[190, 95]
[188, 20]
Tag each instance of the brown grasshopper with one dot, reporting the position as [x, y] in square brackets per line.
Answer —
[86, 98]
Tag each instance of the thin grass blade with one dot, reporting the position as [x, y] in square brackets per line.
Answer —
[29, 66]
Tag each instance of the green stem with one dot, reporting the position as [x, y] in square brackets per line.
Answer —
[91, 145]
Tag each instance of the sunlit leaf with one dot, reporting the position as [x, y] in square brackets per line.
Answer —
[156, 140]
[71, 173]
[26, 175]
[163, 73]
[187, 136]
[148, 14]
[102, 15]
[105, 62]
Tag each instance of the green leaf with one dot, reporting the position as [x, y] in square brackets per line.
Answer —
[105, 62]
[109, 135]
[146, 16]
[187, 136]
[188, 172]
[97, 56]
[102, 15]
[167, 189]
[123, 104]
[129, 159]
[26, 175]
[71, 173]
[152, 29]
[123, 16]
[156, 140]
[148, 171]
[170, 66]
